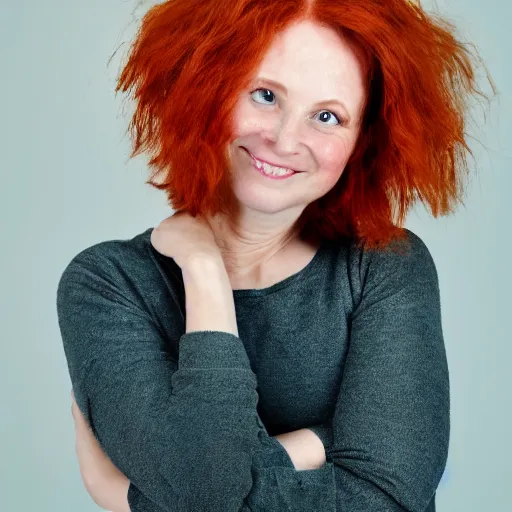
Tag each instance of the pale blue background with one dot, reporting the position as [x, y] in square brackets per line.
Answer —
[66, 183]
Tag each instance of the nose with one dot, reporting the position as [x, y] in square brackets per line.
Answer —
[284, 136]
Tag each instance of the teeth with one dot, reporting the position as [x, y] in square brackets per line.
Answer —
[270, 169]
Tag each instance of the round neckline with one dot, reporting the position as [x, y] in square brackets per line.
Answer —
[261, 292]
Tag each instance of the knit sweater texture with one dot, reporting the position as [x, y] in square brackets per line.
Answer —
[351, 346]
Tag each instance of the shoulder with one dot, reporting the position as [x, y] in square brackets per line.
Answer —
[116, 262]
[398, 255]
[402, 263]
[127, 250]
[410, 250]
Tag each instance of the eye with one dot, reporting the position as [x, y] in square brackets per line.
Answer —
[264, 90]
[340, 121]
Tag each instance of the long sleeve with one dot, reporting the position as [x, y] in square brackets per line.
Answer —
[185, 433]
[387, 441]
[391, 425]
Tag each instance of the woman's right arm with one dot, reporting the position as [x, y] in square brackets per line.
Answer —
[185, 433]
[137, 398]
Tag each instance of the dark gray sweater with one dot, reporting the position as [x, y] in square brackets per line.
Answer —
[350, 346]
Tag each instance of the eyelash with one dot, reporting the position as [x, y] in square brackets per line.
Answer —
[341, 120]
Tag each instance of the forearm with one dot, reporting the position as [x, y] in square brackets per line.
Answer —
[210, 306]
[315, 449]
[111, 492]
[304, 447]
[209, 298]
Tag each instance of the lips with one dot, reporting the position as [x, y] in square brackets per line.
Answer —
[269, 163]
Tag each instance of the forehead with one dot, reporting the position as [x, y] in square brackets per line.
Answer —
[307, 56]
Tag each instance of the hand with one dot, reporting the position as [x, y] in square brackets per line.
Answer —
[182, 237]
[106, 485]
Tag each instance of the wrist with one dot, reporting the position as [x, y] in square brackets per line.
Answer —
[325, 434]
[318, 455]
[196, 262]
[208, 270]
[112, 494]
[304, 448]
[209, 298]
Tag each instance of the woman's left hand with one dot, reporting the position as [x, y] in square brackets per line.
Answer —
[107, 486]
[182, 237]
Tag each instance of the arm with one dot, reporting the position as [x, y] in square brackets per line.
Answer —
[150, 413]
[390, 430]
[391, 425]
[210, 306]
[108, 487]
[147, 412]
[304, 448]
[248, 468]
[111, 493]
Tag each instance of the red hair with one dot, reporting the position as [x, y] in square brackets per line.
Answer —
[192, 58]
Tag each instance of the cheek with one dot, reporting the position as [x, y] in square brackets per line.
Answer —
[245, 120]
[249, 121]
[332, 157]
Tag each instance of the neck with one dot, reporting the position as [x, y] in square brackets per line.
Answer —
[246, 247]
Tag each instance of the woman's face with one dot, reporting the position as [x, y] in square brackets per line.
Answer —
[293, 125]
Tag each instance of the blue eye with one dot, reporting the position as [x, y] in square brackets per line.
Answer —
[331, 114]
[265, 90]
[270, 93]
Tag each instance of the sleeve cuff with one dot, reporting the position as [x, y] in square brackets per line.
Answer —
[325, 435]
[212, 349]
[277, 484]
[135, 499]
[139, 503]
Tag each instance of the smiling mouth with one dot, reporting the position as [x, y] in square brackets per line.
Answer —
[268, 163]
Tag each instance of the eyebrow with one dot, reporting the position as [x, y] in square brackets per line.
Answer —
[277, 85]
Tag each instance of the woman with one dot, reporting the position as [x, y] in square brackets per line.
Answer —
[276, 344]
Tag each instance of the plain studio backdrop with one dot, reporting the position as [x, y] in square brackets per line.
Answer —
[67, 183]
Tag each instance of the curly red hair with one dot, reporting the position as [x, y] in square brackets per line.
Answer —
[192, 58]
